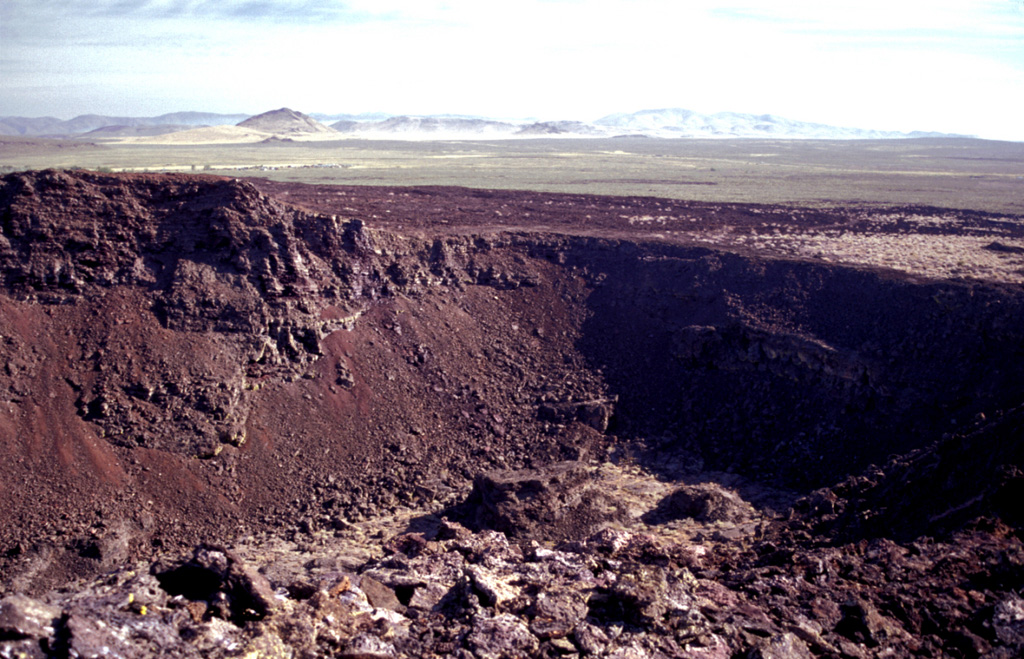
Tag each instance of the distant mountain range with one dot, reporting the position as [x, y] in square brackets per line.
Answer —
[649, 123]
[86, 123]
[287, 123]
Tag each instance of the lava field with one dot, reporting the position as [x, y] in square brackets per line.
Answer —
[265, 419]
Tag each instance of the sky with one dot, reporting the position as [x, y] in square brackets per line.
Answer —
[944, 65]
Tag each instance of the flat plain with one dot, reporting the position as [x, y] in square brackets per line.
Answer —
[946, 173]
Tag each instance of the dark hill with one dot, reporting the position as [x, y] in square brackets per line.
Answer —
[285, 121]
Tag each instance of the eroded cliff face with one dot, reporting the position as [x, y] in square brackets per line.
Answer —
[219, 289]
[188, 359]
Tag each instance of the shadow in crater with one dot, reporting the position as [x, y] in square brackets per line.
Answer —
[791, 374]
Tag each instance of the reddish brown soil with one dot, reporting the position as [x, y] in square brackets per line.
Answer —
[194, 358]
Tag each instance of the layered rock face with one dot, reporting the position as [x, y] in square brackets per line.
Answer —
[613, 428]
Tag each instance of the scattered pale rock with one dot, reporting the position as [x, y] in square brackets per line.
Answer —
[503, 635]
[780, 646]
[22, 617]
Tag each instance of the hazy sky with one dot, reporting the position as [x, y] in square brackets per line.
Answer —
[947, 65]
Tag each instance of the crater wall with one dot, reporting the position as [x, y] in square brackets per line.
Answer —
[186, 357]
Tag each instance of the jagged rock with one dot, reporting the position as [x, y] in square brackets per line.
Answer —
[494, 590]
[344, 377]
[110, 548]
[863, 623]
[557, 612]
[555, 502]
[503, 635]
[780, 646]
[25, 618]
[234, 589]
[709, 647]
[380, 595]
[476, 594]
[90, 638]
[367, 646]
[591, 638]
[704, 502]
[427, 596]
[638, 596]
[593, 413]
[1008, 622]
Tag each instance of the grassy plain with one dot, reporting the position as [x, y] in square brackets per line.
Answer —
[950, 173]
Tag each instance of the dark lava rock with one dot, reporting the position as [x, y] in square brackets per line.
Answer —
[556, 502]
[780, 646]
[557, 612]
[862, 623]
[996, 246]
[594, 413]
[502, 635]
[704, 502]
[232, 588]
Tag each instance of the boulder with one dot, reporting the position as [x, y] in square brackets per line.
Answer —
[379, 595]
[594, 413]
[780, 646]
[556, 612]
[234, 589]
[703, 502]
[862, 623]
[1008, 622]
[554, 503]
[503, 635]
[22, 617]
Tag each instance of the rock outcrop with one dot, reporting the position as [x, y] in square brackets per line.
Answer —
[556, 502]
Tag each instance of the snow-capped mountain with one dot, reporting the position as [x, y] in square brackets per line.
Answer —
[665, 123]
[436, 127]
[676, 122]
